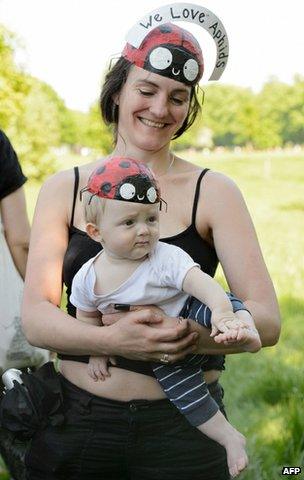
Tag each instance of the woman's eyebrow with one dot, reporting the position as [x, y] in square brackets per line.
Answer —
[147, 82]
[152, 84]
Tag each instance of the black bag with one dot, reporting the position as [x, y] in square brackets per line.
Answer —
[32, 405]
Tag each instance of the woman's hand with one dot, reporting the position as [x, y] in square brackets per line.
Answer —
[111, 318]
[147, 334]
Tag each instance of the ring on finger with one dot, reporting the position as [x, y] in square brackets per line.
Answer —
[164, 358]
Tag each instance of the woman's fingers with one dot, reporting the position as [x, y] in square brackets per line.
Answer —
[111, 318]
[190, 341]
[146, 314]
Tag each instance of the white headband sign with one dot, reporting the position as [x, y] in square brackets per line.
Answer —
[188, 12]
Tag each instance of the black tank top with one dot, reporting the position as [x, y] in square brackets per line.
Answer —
[81, 248]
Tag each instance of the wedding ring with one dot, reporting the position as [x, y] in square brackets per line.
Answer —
[164, 358]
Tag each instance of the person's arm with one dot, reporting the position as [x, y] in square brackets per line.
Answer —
[16, 227]
[240, 255]
[203, 287]
[45, 325]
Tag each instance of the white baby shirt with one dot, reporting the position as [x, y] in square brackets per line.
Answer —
[157, 281]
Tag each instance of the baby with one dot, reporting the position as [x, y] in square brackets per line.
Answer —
[121, 203]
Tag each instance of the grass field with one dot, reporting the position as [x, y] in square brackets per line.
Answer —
[264, 392]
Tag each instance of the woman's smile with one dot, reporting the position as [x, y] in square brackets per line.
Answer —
[151, 123]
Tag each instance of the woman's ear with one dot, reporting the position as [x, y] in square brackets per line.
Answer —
[93, 232]
[115, 98]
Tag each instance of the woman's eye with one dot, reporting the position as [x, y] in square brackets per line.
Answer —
[177, 101]
[146, 93]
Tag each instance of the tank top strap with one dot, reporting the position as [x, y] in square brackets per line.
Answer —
[76, 184]
[196, 196]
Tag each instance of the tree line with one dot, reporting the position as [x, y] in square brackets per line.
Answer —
[37, 119]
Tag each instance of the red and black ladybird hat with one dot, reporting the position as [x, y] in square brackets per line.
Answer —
[170, 51]
[123, 178]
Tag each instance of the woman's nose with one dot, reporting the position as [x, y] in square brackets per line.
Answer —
[159, 106]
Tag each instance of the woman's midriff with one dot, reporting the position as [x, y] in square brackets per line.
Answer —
[122, 384]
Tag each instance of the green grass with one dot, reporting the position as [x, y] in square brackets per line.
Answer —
[264, 392]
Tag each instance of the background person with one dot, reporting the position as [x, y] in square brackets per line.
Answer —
[15, 234]
[12, 204]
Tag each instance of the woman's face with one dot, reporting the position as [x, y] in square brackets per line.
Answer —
[151, 109]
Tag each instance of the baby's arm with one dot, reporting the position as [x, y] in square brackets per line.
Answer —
[208, 291]
[227, 327]
[98, 365]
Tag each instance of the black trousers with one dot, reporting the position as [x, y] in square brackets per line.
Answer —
[105, 439]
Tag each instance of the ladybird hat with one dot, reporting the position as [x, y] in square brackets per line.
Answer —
[159, 46]
[123, 178]
[171, 51]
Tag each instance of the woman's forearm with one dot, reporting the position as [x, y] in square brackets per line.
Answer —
[48, 327]
[267, 321]
[206, 344]
[267, 325]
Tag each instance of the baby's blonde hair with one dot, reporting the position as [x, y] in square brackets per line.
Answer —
[93, 207]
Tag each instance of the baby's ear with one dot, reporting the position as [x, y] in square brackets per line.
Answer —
[93, 232]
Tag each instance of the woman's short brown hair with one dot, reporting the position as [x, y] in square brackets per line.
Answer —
[114, 81]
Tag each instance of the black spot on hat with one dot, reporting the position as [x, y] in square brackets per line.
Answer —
[106, 187]
[165, 29]
[100, 170]
[125, 164]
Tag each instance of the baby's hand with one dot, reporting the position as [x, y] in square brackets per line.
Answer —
[224, 322]
[246, 335]
[98, 367]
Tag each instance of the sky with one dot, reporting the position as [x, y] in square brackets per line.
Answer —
[68, 43]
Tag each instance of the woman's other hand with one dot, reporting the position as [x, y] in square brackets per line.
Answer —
[147, 334]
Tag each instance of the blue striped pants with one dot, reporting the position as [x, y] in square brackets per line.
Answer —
[183, 383]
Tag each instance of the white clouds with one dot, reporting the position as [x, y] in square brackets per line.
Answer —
[68, 42]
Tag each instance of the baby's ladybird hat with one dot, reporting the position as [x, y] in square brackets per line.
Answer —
[123, 178]
[171, 51]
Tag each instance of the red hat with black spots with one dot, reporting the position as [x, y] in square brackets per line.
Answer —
[170, 51]
[123, 178]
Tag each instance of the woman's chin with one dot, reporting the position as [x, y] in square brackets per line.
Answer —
[150, 144]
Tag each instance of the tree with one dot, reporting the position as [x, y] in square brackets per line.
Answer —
[230, 112]
[13, 83]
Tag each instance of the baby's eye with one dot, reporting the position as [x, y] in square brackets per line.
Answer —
[152, 219]
[129, 222]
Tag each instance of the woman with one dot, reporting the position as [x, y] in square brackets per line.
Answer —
[124, 427]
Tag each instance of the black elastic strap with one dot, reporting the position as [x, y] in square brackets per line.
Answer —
[76, 184]
[197, 192]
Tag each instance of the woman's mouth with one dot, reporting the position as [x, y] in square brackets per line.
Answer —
[151, 123]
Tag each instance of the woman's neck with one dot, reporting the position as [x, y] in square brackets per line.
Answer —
[159, 161]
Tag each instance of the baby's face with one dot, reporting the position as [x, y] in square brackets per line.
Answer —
[129, 230]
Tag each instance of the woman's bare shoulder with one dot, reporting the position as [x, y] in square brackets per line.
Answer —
[56, 196]
[66, 178]
[217, 184]
[59, 181]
